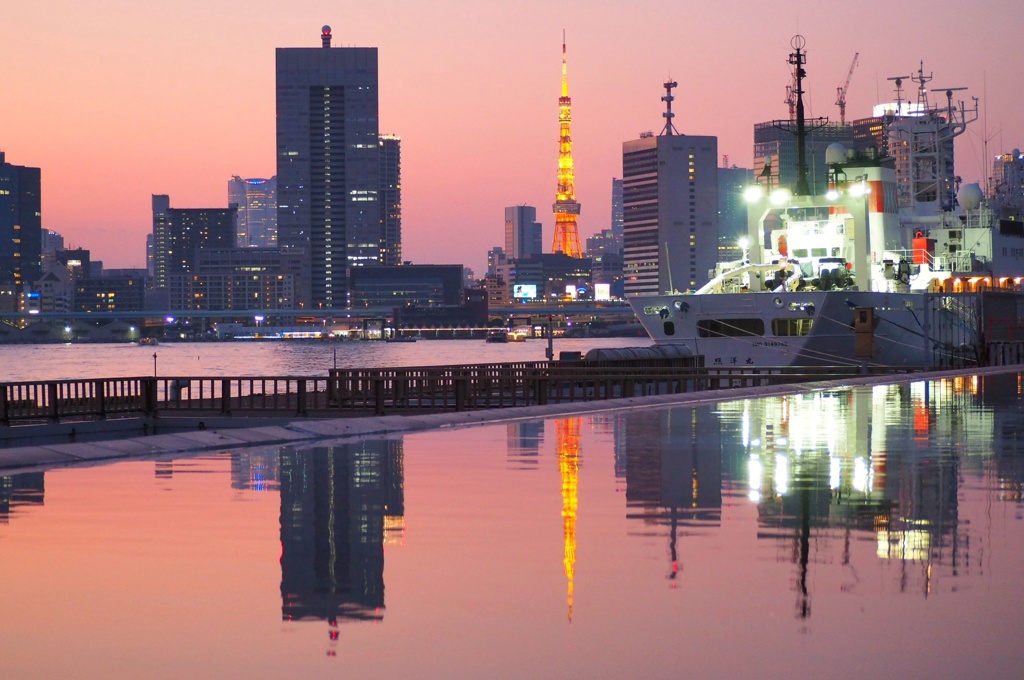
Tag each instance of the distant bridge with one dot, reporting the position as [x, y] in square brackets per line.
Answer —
[318, 316]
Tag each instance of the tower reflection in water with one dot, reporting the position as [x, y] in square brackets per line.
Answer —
[339, 505]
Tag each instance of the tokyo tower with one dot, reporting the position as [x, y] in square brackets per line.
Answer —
[567, 210]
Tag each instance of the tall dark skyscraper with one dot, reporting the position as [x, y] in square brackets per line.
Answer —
[617, 210]
[21, 234]
[328, 165]
[179, 232]
[391, 200]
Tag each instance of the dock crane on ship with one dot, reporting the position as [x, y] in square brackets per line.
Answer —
[841, 90]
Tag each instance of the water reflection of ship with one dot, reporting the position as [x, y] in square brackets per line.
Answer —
[1007, 435]
[338, 505]
[829, 471]
[822, 462]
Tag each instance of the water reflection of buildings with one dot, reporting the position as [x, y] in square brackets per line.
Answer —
[20, 490]
[339, 505]
[672, 466]
[523, 440]
[258, 470]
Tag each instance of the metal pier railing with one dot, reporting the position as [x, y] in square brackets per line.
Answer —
[379, 391]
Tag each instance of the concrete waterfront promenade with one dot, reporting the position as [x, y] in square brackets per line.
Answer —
[221, 434]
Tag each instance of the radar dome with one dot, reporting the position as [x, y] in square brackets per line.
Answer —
[1016, 153]
[835, 153]
[325, 30]
[970, 196]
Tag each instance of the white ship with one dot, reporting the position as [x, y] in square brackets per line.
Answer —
[853, 278]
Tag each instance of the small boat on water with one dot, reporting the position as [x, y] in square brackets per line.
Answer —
[148, 341]
[497, 335]
[401, 338]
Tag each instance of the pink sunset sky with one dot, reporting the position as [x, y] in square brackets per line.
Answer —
[119, 99]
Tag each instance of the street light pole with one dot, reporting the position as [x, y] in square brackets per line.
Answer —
[551, 339]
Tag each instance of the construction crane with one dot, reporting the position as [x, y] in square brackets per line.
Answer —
[790, 101]
[841, 91]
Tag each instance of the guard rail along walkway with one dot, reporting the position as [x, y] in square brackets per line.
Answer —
[379, 391]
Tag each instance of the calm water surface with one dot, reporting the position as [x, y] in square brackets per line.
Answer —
[855, 533]
[59, 362]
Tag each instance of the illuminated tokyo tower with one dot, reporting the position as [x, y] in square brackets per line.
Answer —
[567, 210]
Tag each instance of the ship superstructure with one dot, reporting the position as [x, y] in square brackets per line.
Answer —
[851, 276]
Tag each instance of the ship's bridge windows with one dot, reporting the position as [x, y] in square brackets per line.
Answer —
[791, 327]
[729, 328]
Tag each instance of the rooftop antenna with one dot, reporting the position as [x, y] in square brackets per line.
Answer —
[669, 128]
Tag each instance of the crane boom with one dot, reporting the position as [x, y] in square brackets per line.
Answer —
[841, 90]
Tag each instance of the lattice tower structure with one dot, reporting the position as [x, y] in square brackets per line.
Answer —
[566, 209]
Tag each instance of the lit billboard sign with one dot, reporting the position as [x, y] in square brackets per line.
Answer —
[524, 291]
[602, 291]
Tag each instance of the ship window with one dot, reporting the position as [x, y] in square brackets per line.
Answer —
[791, 327]
[669, 327]
[717, 328]
[800, 252]
[819, 252]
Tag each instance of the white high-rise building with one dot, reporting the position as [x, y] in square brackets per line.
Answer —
[670, 209]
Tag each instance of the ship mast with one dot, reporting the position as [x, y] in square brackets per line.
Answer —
[566, 209]
[802, 126]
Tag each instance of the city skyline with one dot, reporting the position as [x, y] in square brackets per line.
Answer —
[176, 100]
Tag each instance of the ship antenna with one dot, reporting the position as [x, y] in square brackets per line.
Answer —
[898, 80]
[803, 126]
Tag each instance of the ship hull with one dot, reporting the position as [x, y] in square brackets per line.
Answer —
[817, 328]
